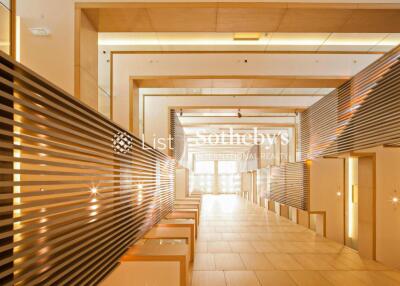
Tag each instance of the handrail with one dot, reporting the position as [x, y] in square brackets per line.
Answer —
[76, 189]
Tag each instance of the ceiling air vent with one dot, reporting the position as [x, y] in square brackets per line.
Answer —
[41, 32]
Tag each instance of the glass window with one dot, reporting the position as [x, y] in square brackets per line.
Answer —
[204, 167]
[227, 167]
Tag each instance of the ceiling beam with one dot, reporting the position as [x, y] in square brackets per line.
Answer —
[280, 52]
[232, 81]
[233, 95]
[263, 125]
[244, 17]
[274, 109]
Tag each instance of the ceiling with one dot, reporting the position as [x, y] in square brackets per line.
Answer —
[200, 123]
[4, 27]
[236, 91]
[229, 65]
[251, 82]
[5, 3]
[218, 71]
[268, 42]
[163, 61]
[244, 17]
[187, 50]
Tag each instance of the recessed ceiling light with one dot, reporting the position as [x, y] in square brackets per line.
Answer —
[247, 36]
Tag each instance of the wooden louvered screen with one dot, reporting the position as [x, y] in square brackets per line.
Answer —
[172, 130]
[362, 113]
[76, 189]
[178, 136]
[289, 185]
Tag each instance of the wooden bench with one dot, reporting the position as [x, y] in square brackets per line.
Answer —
[152, 263]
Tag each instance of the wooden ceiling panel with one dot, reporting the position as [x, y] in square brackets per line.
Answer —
[314, 20]
[231, 83]
[249, 20]
[193, 83]
[122, 20]
[243, 17]
[93, 16]
[183, 19]
[328, 82]
[373, 21]
[272, 82]
[240, 82]
[162, 83]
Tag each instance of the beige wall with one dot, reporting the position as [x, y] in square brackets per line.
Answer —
[86, 73]
[181, 183]
[326, 179]
[246, 182]
[366, 189]
[5, 29]
[387, 216]
[326, 175]
[53, 56]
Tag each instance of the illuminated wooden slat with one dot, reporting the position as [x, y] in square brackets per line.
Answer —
[289, 185]
[362, 113]
[53, 151]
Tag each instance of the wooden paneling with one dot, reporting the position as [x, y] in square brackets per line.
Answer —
[71, 202]
[86, 60]
[178, 139]
[240, 19]
[212, 81]
[6, 191]
[302, 19]
[13, 28]
[363, 112]
[171, 19]
[243, 17]
[367, 206]
[134, 107]
[289, 185]
[371, 21]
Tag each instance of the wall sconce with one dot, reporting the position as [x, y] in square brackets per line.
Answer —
[338, 192]
[395, 200]
[93, 190]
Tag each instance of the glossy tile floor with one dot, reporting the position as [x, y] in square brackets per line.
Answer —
[240, 244]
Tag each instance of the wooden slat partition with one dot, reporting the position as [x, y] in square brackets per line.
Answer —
[362, 113]
[289, 185]
[70, 202]
[178, 136]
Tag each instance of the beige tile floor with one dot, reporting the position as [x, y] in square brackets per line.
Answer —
[240, 244]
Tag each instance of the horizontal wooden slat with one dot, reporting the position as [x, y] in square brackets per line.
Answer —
[362, 113]
[289, 185]
[70, 203]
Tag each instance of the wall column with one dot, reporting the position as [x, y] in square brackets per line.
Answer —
[134, 107]
[86, 60]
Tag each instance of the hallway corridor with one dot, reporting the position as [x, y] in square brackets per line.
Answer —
[240, 244]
